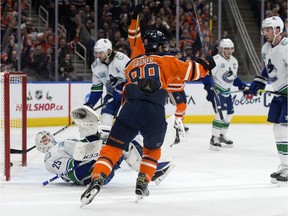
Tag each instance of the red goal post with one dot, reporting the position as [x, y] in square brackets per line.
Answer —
[13, 119]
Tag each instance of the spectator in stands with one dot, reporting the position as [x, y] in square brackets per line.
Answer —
[40, 60]
[66, 69]
[12, 46]
[87, 38]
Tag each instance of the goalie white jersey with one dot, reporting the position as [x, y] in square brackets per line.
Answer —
[225, 72]
[276, 63]
[111, 75]
[67, 153]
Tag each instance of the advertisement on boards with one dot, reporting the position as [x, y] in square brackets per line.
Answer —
[55, 100]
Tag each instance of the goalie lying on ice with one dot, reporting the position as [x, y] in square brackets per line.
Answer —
[60, 156]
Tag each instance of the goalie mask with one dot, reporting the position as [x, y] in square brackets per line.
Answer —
[44, 141]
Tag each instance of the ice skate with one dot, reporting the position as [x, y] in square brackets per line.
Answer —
[160, 175]
[141, 187]
[92, 190]
[280, 177]
[186, 128]
[225, 140]
[214, 144]
[177, 138]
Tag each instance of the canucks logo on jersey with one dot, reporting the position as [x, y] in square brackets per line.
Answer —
[228, 76]
[271, 68]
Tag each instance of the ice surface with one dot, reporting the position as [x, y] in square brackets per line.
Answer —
[231, 182]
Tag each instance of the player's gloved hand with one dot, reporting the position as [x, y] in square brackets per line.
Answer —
[246, 92]
[259, 82]
[210, 93]
[137, 10]
[207, 62]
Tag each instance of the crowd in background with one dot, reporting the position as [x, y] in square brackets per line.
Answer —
[76, 19]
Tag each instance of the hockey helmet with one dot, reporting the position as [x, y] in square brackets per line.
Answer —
[44, 141]
[226, 43]
[102, 44]
[274, 22]
[153, 39]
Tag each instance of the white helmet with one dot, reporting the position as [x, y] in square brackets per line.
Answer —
[44, 141]
[226, 43]
[102, 44]
[274, 22]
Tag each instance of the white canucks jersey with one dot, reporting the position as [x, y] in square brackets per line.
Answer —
[225, 72]
[109, 75]
[60, 158]
[276, 63]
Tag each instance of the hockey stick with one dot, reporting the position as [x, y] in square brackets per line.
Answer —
[216, 98]
[271, 92]
[17, 151]
[136, 32]
[64, 173]
[232, 92]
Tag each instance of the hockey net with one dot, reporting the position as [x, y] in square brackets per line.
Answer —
[13, 130]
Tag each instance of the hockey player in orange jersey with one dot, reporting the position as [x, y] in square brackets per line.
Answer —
[149, 78]
[178, 98]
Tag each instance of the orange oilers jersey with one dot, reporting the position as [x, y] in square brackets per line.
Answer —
[167, 70]
[135, 40]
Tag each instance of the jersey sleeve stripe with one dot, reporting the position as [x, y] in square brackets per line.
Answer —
[197, 72]
[188, 71]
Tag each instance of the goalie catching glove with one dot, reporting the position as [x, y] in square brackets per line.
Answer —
[86, 119]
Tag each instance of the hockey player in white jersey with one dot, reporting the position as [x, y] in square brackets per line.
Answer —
[225, 76]
[108, 71]
[63, 155]
[275, 57]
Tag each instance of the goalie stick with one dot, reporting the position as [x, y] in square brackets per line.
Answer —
[64, 173]
[18, 151]
[216, 98]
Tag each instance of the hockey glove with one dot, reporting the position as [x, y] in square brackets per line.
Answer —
[137, 10]
[207, 62]
[259, 82]
[210, 93]
[246, 92]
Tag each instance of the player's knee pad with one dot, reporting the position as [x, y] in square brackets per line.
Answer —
[280, 131]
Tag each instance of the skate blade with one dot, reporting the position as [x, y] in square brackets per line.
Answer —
[86, 200]
[139, 198]
[282, 184]
[214, 148]
[227, 145]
